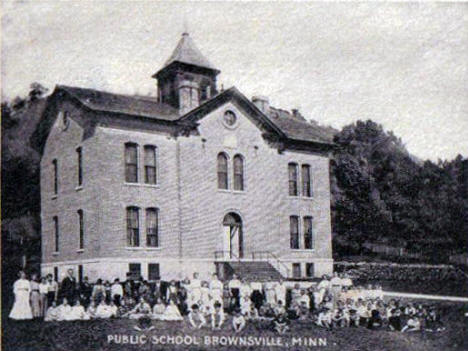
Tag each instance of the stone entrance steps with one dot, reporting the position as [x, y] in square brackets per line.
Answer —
[251, 271]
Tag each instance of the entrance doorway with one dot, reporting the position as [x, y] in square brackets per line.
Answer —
[232, 236]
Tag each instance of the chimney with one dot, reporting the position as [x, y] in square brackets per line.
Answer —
[262, 103]
[297, 115]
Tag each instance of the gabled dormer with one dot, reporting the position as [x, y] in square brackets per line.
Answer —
[187, 78]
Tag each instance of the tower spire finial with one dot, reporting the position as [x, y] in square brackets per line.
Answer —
[186, 30]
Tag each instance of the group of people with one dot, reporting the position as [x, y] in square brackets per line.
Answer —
[333, 302]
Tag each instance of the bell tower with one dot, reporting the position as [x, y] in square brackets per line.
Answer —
[187, 79]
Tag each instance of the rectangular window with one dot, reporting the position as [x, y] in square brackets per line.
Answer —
[308, 233]
[150, 164]
[80, 166]
[54, 163]
[292, 170]
[309, 270]
[306, 185]
[131, 163]
[56, 233]
[296, 267]
[152, 227]
[153, 271]
[133, 227]
[80, 273]
[294, 230]
[134, 270]
[81, 224]
[56, 275]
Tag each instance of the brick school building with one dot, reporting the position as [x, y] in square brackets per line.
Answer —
[195, 179]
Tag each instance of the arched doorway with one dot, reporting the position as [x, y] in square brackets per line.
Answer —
[232, 236]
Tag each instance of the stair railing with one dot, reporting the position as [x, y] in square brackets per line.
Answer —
[272, 259]
[280, 264]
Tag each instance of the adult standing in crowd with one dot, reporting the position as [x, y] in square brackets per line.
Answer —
[43, 289]
[68, 287]
[346, 280]
[99, 291]
[194, 290]
[158, 291]
[52, 290]
[234, 293]
[270, 296]
[116, 292]
[324, 283]
[86, 290]
[257, 295]
[22, 290]
[216, 289]
[335, 285]
[35, 298]
[280, 292]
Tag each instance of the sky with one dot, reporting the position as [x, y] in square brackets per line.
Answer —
[403, 65]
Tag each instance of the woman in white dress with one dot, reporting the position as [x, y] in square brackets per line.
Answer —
[22, 290]
[172, 312]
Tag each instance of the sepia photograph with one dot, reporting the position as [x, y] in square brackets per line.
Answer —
[236, 175]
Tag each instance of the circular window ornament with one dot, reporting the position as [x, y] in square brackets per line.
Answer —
[229, 119]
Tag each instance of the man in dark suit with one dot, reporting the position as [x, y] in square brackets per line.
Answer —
[68, 287]
[160, 289]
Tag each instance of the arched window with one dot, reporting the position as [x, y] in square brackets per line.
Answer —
[150, 164]
[292, 170]
[131, 163]
[222, 171]
[306, 181]
[238, 172]
[152, 220]
[133, 226]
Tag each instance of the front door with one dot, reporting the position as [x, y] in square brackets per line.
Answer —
[232, 236]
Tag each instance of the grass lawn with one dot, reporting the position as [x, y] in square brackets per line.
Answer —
[93, 335]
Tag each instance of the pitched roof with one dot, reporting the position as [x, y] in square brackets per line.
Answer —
[282, 121]
[294, 128]
[187, 52]
[131, 105]
[299, 129]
